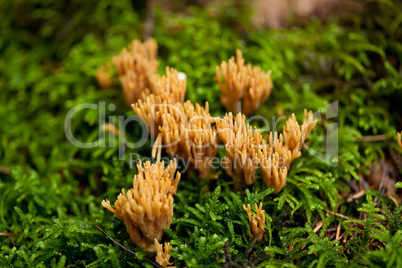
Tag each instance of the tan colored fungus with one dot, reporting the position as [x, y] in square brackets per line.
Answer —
[248, 150]
[170, 85]
[399, 139]
[282, 150]
[147, 208]
[168, 95]
[256, 221]
[240, 82]
[294, 134]
[151, 109]
[274, 172]
[136, 67]
[243, 144]
[162, 256]
[189, 135]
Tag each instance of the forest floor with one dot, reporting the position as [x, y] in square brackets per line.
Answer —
[342, 200]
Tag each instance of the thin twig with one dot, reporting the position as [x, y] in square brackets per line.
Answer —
[150, 20]
[154, 264]
[318, 227]
[338, 231]
[356, 195]
[9, 234]
[380, 137]
[5, 170]
[250, 248]
[393, 199]
[337, 214]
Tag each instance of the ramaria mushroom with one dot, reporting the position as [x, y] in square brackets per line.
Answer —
[170, 85]
[162, 256]
[147, 208]
[151, 109]
[136, 67]
[103, 77]
[190, 136]
[283, 150]
[256, 221]
[296, 135]
[168, 95]
[248, 150]
[244, 146]
[242, 83]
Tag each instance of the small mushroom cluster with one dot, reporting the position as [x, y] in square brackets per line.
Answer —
[168, 95]
[248, 150]
[243, 144]
[242, 83]
[162, 256]
[188, 133]
[257, 221]
[147, 208]
[136, 67]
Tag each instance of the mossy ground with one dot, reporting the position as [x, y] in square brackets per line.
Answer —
[50, 190]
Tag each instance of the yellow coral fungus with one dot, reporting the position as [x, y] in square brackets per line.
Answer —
[282, 150]
[168, 95]
[170, 85]
[189, 135]
[276, 145]
[243, 144]
[294, 134]
[257, 221]
[274, 172]
[248, 150]
[151, 109]
[162, 256]
[147, 208]
[136, 67]
[240, 82]
[399, 139]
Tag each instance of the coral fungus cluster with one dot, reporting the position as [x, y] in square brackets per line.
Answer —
[242, 83]
[103, 77]
[280, 152]
[168, 95]
[189, 131]
[147, 208]
[162, 256]
[257, 221]
[136, 67]
[243, 144]
[248, 150]
[170, 86]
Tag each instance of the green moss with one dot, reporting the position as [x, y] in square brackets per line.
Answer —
[49, 53]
